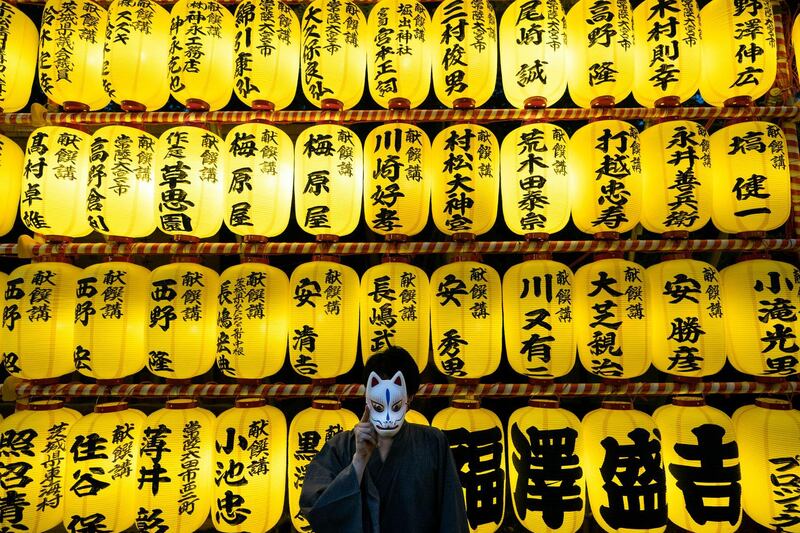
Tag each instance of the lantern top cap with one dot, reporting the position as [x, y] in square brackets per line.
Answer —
[617, 405]
[38, 405]
[544, 403]
[250, 402]
[688, 401]
[110, 407]
[326, 404]
[776, 404]
[181, 403]
[465, 403]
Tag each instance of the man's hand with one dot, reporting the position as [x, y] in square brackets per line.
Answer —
[366, 442]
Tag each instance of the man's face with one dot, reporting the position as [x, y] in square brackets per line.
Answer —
[387, 400]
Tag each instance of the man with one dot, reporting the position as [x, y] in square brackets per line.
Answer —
[386, 475]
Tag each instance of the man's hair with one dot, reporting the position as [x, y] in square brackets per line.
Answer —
[388, 362]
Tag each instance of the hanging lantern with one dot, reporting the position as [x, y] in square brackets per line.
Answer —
[54, 192]
[328, 179]
[190, 182]
[121, 196]
[111, 320]
[610, 321]
[465, 60]
[466, 319]
[398, 167]
[38, 314]
[751, 177]
[796, 42]
[10, 172]
[175, 473]
[103, 469]
[415, 417]
[250, 472]
[761, 324]
[18, 60]
[252, 324]
[623, 468]
[533, 178]
[181, 331]
[476, 441]
[258, 185]
[135, 67]
[323, 319]
[267, 50]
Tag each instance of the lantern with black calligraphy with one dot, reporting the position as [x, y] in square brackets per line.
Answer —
[465, 59]
[533, 179]
[103, 469]
[54, 183]
[796, 42]
[252, 324]
[623, 468]
[606, 177]
[751, 178]
[18, 60]
[121, 197]
[328, 180]
[397, 180]
[38, 314]
[309, 431]
[761, 325]
[10, 172]
[466, 319]
[175, 468]
[181, 333]
[544, 468]
[250, 472]
[258, 186]
[190, 182]
[610, 322]
[739, 51]
[478, 446]
[135, 67]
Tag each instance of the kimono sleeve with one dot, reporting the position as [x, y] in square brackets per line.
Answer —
[453, 517]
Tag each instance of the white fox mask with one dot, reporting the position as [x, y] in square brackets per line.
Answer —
[387, 400]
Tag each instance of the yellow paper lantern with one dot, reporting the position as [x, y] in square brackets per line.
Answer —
[606, 177]
[181, 332]
[533, 179]
[10, 173]
[623, 468]
[135, 67]
[751, 177]
[309, 431]
[395, 310]
[54, 183]
[267, 49]
[190, 181]
[111, 318]
[323, 319]
[71, 43]
[121, 197]
[478, 446]
[253, 321]
[415, 417]
[676, 177]
[610, 318]
[739, 51]
[398, 167]
[250, 471]
[796, 42]
[544, 471]
[600, 55]
[466, 319]
[38, 315]
[175, 476]
[328, 170]
[102, 469]
[761, 323]
[465, 60]
[701, 462]
[537, 306]
[18, 61]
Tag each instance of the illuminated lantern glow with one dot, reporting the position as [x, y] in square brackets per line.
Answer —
[610, 318]
[751, 177]
[796, 42]
[258, 187]
[10, 171]
[760, 326]
[54, 184]
[18, 61]
[606, 177]
[323, 319]
[415, 417]
[398, 166]
[111, 318]
[250, 472]
[465, 59]
[328, 179]
[466, 319]
[533, 179]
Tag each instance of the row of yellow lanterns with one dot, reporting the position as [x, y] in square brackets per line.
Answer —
[123, 182]
[602, 50]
